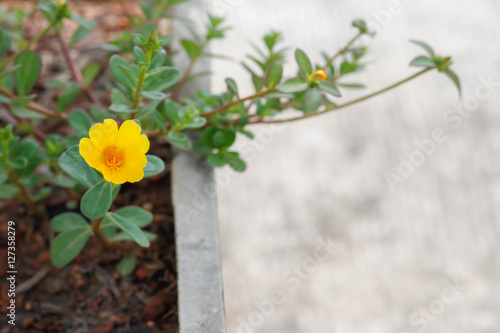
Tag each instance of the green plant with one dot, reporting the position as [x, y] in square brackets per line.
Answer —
[147, 96]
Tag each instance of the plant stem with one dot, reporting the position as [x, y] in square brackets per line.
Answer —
[32, 42]
[183, 80]
[140, 83]
[342, 51]
[77, 74]
[22, 189]
[185, 77]
[96, 228]
[364, 98]
[230, 105]
[36, 107]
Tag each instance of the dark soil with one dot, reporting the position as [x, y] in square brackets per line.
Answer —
[89, 295]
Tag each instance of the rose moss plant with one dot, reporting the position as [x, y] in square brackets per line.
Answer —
[108, 144]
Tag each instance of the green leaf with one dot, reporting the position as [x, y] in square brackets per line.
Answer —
[192, 49]
[218, 138]
[118, 72]
[3, 175]
[8, 71]
[154, 95]
[163, 80]
[171, 111]
[178, 140]
[75, 166]
[42, 194]
[312, 101]
[454, 77]
[29, 150]
[126, 266]
[139, 55]
[293, 85]
[235, 162]
[258, 82]
[117, 97]
[130, 228]
[83, 30]
[67, 97]
[61, 181]
[303, 62]
[68, 221]
[124, 237]
[278, 95]
[96, 201]
[329, 88]
[4, 42]
[80, 121]
[216, 160]
[361, 25]
[8, 191]
[121, 108]
[196, 122]
[347, 67]
[90, 72]
[157, 71]
[30, 181]
[154, 166]
[27, 74]
[68, 244]
[425, 46]
[157, 62]
[274, 76]
[422, 61]
[17, 162]
[232, 86]
[140, 217]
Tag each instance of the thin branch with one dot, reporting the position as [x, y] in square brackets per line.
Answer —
[261, 121]
[77, 74]
[230, 105]
[184, 79]
[96, 228]
[36, 107]
[342, 51]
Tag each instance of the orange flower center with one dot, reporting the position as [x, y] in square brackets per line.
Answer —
[113, 158]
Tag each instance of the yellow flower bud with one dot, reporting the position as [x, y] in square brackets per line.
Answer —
[318, 75]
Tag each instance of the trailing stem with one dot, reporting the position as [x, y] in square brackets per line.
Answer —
[338, 107]
[140, 83]
[77, 74]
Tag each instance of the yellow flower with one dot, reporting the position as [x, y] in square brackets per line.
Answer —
[319, 74]
[120, 155]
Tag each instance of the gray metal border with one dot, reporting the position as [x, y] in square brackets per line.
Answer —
[201, 302]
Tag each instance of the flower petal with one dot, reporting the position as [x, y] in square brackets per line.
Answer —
[132, 174]
[113, 176]
[104, 135]
[130, 138]
[90, 154]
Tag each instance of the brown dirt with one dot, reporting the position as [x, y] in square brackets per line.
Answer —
[88, 295]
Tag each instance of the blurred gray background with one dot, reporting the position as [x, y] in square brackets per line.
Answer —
[314, 239]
